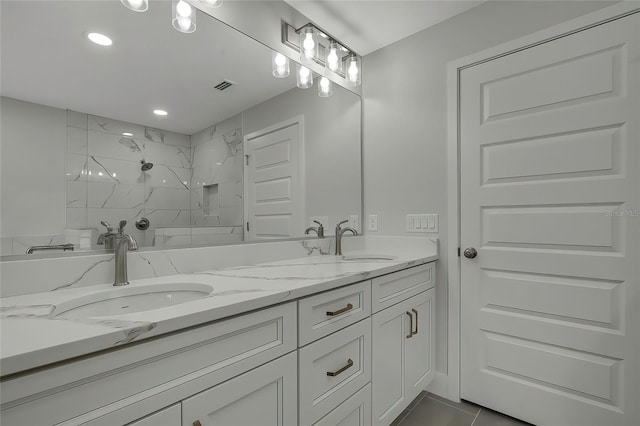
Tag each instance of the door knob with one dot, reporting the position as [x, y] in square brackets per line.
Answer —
[470, 253]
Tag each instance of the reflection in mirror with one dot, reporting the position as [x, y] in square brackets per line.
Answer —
[81, 145]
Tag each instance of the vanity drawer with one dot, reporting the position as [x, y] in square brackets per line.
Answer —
[390, 289]
[332, 369]
[120, 386]
[325, 313]
[354, 411]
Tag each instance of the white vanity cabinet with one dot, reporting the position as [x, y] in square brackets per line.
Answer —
[403, 346]
[170, 416]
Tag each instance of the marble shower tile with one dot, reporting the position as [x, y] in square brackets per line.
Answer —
[231, 216]
[76, 194]
[77, 119]
[168, 177]
[76, 168]
[109, 195]
[168, 155]
[107, 125]
[167, 218]
[114, 171]
[167, 198]
[76, 218]
[166, 137]
[77, 141]
[106, 145]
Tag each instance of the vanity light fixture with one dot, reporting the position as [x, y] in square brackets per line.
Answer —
[183, 16]
[280, 65]
[304, 77]
[99, 39]
[316, 45]
[136, 5]
[160, 112]
[353, 70]
[212, 3]
[325, 88]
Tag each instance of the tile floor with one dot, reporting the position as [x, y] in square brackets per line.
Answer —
[431, 410]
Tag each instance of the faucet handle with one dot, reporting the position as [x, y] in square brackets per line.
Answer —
[121, 226]
[106, 225]
[341, 223]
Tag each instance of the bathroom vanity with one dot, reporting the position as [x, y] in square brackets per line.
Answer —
[317, 340]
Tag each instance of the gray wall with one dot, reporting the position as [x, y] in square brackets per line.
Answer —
[405, 116]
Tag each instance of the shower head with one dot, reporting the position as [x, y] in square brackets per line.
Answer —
[146, 166]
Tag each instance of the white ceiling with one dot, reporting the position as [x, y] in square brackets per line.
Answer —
[368, 25]
[46, 59]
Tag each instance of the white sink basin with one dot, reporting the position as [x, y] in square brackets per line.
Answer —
[367, 257]
[126, 300]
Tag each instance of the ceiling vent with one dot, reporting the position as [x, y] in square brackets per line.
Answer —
[224, 85]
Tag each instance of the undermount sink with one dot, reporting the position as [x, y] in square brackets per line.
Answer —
[120, 301]
[367, 257]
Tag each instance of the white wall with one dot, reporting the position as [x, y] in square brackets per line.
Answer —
[32, 168]
[404, 116]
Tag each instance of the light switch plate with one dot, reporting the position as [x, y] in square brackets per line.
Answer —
[422, 223]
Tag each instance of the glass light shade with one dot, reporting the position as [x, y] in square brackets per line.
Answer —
[136, 5]
[212, 3]
[308, 44]
[304, 77]
[325, 88]
[280, 65]
[333, 60]
[353, 71]
[184, 16]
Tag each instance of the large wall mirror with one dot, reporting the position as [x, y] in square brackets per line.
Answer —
[81, 145]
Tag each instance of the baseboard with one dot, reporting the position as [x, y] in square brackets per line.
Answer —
[439, 385]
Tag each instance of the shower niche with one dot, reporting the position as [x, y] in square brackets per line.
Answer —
[210, 200]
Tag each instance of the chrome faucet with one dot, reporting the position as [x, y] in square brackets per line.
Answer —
[339, 233]
[122, 244]
[319, 230]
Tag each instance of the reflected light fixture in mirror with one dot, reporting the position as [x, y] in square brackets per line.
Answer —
[136, 5]
[280, 65]
[184, 16]
[99, 39]
[212, 3]
[354, 70]
[325, 88]
[304, 77]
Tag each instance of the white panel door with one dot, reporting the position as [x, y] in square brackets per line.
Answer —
[550, 189]
[274, 179]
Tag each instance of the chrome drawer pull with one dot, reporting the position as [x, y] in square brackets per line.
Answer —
[415, 312]
[335, 373]
[410, 335]
[340, 311]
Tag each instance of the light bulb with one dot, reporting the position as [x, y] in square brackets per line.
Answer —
[353, 72]
[100, 39]
[281, 60]
[280, 65]
[324, 88]
[324, 83]
[332, 57]
[308, 45]
[136, 5]
[212, 3]
[304, 74]
[304, 77]
[184, 23]
[183, 8]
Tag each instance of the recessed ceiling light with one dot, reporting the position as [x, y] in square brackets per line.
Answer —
[100, 39]
[160, 112]
[127, 134]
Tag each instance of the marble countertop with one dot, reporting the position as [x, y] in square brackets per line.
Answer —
[33, 336]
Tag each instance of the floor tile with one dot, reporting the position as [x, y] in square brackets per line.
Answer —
[463, 405]
[492, 418]
[429, 412]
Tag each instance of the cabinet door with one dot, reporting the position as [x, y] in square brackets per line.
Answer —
[390, 328]
[403, 355]
[265, 396]
[170, 416]
[419, 349]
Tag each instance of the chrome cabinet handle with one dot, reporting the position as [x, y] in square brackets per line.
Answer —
[340, 311]
[415, 332]
[335, 373]
[410, 335]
